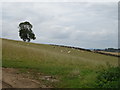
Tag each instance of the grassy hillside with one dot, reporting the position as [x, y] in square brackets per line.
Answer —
[72, 68]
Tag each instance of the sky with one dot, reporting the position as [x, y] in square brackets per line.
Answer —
[78, 24]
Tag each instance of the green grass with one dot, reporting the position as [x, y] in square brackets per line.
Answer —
[77, 69]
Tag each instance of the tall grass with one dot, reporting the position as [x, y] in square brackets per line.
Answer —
[75, 69]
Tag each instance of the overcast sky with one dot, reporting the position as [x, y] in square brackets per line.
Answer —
[81, 24]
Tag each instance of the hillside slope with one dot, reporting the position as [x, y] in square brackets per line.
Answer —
[70, 67]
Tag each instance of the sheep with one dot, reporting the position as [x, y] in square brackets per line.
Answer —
[69, 51]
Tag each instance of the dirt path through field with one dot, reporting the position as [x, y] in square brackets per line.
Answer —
[11, 78]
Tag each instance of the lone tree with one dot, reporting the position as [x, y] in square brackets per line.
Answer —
[25, 31]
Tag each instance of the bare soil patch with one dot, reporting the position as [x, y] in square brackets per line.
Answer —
[11, 78]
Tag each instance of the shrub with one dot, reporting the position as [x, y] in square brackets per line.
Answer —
[109, 78]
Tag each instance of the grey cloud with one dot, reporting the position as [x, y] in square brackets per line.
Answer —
[89, 25]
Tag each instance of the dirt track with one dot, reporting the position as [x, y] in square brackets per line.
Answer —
[11, 78]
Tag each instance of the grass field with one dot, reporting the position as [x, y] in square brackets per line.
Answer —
[72, 68]
[113, 53]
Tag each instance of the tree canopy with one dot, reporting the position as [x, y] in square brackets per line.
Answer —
[25, 31]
